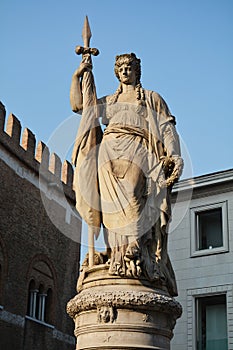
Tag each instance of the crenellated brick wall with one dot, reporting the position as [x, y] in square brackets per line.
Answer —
[31, 155]
[40, 233]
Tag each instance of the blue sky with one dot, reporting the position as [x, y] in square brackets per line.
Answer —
[186, 53]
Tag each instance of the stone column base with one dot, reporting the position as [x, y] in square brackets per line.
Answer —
[120, 313]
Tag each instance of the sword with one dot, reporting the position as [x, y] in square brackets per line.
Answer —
[86, 35]
[89, 113]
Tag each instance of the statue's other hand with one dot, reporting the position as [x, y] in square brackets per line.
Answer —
[177, 168]
[84, 67]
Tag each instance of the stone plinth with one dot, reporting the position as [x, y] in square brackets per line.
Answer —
[111, 312]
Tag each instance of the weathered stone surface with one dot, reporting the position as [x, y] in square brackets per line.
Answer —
[122, 314]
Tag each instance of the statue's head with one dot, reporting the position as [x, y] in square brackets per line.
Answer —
[129, 59]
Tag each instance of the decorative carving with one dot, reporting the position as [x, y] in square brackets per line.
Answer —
[106, 314]
[107, 338]
[146, 318]
[88, 300]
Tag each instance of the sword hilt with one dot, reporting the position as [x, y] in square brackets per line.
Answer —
[80, 50]
[86, 34]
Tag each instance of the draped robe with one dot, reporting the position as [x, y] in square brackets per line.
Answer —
[126, 191]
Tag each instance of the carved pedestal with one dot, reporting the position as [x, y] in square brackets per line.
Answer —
[111, 312]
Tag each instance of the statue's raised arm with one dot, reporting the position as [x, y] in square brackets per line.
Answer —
[76, 95]
[82, 90]
[84, 156]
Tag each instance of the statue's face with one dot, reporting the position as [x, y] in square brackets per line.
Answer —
[127, 74]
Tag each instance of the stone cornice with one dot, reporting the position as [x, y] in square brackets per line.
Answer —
[204, 180]
[202, 186]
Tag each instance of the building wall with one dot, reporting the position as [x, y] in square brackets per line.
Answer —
[200, 275]
[39, 241]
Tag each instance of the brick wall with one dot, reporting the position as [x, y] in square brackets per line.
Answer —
[39, 229]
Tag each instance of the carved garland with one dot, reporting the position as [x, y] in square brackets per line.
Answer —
[95, 300]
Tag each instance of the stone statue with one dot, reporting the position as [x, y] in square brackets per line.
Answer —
[124, 174]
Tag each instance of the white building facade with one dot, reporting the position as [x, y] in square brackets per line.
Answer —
[201, 251]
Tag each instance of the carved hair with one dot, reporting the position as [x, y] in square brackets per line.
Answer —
[131, 59]
[136, 63]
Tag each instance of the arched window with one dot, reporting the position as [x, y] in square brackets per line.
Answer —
[32, 300]
[41, 291]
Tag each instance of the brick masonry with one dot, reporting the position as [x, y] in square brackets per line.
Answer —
[38, 225]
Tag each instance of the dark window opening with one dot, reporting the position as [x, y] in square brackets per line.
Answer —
[211, 323]
[39, 303]
[209, 229]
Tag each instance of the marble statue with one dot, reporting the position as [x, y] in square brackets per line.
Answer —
[124, 173]
[125, 169]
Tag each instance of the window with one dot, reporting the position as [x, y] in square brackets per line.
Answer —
[209, 229]
[32, 300]
[37, 303]
[209, 308]
[41, 291]
[211, 319]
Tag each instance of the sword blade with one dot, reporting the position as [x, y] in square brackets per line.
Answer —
[86, 33]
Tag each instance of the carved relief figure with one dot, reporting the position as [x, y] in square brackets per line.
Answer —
[124, 174]
[105, 314]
